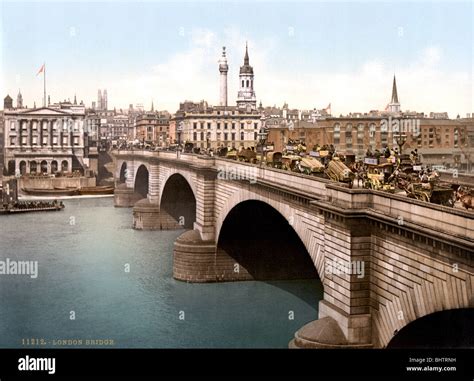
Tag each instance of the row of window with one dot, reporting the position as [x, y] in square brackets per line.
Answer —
[218, 136]
[56, 125]
[35, 140]
[218, 125]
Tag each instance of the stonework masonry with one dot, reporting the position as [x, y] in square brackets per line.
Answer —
[417, 257]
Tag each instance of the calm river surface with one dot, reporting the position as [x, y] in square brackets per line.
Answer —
[82, 255]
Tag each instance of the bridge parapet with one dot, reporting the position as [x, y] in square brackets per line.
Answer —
[435, 220]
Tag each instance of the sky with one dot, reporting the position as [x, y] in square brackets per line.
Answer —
[308, 54]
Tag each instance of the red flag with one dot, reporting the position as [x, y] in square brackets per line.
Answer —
[41, 70]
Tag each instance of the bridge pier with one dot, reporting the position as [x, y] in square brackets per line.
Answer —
[125, 197]
[344, 314]
[147, 215]
[194, 258]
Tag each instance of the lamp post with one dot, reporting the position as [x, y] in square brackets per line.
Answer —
[179, 130]
[401, 140]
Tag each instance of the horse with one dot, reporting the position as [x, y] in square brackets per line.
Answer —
[466, 198]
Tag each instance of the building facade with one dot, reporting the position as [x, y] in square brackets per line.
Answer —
[439, 141]
[217, 126]
[153, 128]
[45, 140]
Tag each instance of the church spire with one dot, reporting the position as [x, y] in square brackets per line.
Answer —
[246, 58]
[394, 91]
[394, 105]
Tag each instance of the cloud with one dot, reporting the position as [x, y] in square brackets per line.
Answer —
[192, 74]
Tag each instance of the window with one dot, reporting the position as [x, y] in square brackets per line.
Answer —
[64, 140]
[218, 126]
[34, 140]
[218, 136]
[233, 126]
[202, 125]
[242, 136]
[225, 126]
[248, 83]
[241, 125]
[384, 133]
[243, 83]
[12, 141]
[226, 136]
[55, 140]
[349, 136]
[12, 125]
[233, 135]
[202, 135]
[372, 134]
[360, 137]
[195, 125]
[45, 140]
[34, 125]
[337, 133]
[255, 135]
[208, 126]
[255, 125]
[195, 136]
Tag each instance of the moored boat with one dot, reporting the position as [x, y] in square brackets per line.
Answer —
[51, 192]
[96, 190]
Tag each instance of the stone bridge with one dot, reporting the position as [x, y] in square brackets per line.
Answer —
[384, 260]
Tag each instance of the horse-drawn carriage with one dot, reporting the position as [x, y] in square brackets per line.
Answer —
[248, 155]
[232, 154]
[311, 166]
[338, 171]
[290, 162]
[273, 159]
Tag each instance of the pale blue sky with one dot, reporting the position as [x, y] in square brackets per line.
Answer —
[119, 45]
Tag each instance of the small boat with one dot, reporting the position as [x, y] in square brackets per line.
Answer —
[96, 190]
[27, 207]
[51, 192]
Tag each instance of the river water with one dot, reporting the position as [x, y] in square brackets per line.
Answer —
[84, 292]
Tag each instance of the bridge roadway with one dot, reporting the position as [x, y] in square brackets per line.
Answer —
[417, 257]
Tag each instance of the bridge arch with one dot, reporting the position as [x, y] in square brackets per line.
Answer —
[169, 172]
[123, 173]
[142, 179]
[178, 200]
[417, 304]
[449, 328]
[298, 220]
[263, 242]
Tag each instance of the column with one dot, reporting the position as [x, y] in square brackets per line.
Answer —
[50, 130]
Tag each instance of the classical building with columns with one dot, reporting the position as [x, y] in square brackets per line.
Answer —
[45, 140]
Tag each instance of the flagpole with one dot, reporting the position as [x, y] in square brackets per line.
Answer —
[44, 84]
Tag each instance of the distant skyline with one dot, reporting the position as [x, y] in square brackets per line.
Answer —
[307, 54]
